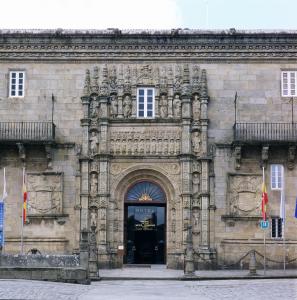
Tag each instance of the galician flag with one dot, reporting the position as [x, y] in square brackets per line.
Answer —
[25, 195]
[264, 199]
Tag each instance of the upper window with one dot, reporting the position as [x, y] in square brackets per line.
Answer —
[145, 103]
[277, 177]
[289, 83]
[16, 84]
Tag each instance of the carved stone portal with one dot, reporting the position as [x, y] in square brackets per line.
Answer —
[244, 195]
[45, 193]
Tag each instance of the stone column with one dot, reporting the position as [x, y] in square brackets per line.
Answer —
[186, 173]
[205, 194]
[103, 181]
[84, 161]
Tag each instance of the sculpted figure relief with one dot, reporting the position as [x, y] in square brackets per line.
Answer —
[93, 143]
[93, 217]
[113, 106]
[176, 107]
[196, 108]
[94, 108]
[163, 107]
[127, 106]
[94, 184]
[196, 142]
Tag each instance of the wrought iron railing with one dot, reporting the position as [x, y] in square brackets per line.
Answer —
[27, 131]
[265, 132]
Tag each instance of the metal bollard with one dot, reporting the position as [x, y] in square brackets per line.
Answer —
[252, 265]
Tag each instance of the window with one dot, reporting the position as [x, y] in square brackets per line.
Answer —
[289, 83]
[277, 175]
[145, 103]
[276, 228]
[16, 84]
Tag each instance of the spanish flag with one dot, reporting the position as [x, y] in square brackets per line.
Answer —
[25, 195]
[264, 199]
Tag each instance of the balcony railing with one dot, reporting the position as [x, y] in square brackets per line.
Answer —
[27, 132]
[265, 132]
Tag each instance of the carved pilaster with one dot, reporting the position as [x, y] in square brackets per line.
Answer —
[205, 204]
[93, 257]
[237, 156]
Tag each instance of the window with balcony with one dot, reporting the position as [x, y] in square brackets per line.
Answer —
[289, 83]
[145, 103]
[277, 174]
[16, 83]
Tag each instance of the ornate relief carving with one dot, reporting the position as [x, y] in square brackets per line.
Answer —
[152, 142]
[119, 84]
[245, 195]
[46, 193]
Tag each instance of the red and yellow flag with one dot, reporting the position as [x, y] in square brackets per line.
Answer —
[24, 198]
[264, 201]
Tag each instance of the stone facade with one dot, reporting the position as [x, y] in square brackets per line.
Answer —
[101, 147]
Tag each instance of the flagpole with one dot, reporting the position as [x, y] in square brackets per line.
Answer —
[4, 196]
[284, 245]
[284, 214]
[22, 221]
[264, 232]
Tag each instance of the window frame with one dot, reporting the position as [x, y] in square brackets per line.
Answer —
[289, 88]
[277, 227]
[276, 177]
[17, 84]
[145, 103]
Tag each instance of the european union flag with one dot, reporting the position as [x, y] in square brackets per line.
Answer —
[296, 209]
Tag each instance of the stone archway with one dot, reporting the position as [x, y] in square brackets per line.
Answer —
[145, 224]
[145, 174]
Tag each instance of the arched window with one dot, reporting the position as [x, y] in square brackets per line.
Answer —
[146, 191]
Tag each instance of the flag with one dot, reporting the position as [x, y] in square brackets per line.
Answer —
[24, 198]
[264, 199]
[282, 212]
[296, 209]
[4, 194]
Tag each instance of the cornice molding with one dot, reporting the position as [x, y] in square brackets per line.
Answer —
[175, 44]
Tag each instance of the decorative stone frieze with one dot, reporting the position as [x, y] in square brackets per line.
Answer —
[145, 142]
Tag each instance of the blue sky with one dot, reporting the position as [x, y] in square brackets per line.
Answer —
[143, 14]
[242, 14]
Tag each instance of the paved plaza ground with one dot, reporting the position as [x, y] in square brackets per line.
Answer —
[261, 289]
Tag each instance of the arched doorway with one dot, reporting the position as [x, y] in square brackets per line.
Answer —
[145, 224]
